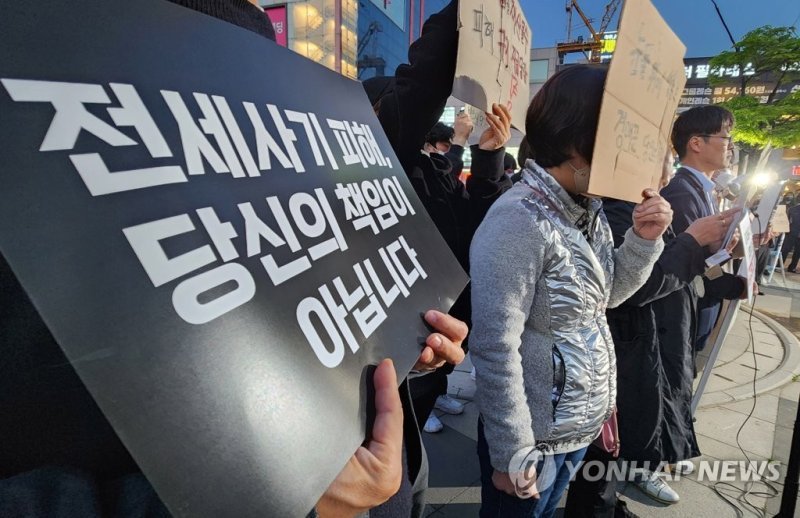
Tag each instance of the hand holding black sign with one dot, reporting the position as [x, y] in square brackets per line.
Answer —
[220, 260]
[372, 475]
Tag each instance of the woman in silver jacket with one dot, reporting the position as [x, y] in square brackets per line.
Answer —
[544, 270]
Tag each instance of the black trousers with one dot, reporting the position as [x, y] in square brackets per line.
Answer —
[425, 390]
[791, 244]
[595, 499]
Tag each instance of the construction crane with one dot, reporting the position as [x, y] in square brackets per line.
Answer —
[579, 44]
[367, 61]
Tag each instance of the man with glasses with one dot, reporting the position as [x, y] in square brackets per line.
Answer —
[702, 138]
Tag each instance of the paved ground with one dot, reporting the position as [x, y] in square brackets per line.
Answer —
[772, 358]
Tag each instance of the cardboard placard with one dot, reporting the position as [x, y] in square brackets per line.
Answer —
[494, 49]
[644, 84]
[780, 221]
[220, 250]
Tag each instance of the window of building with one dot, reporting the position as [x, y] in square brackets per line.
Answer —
[539, 69]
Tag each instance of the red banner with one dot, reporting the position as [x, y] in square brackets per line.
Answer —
[277, 15]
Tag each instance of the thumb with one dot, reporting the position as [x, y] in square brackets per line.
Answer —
[387, 432]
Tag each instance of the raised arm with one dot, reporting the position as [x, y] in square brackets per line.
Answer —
[634, 259]
[680, 262]
[422, 86]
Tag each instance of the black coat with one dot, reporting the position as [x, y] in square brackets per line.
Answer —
[653, 333]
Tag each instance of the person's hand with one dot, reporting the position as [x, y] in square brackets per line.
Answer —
[502, 482]
[373, 473]
[731, 248]
[651, 217]
[462, 128]
[444, 346]
[763, 238]
[499, 130]
[711, 230]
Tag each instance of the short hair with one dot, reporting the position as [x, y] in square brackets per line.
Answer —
[701, 120]
[509, 162]
[524, 152]
[562, 117]
[440, 132]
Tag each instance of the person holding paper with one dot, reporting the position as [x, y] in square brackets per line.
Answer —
[702, 138]
[544, 270]
[59, 455]
[453, 148]
[653, 334]
[408, 105]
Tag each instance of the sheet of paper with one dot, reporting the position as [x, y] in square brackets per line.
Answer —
[780, 221]
[747, 269]
[766, 207]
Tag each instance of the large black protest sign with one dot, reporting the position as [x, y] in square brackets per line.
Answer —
[219, 236]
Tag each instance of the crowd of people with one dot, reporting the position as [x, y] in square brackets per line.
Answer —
[581, 311]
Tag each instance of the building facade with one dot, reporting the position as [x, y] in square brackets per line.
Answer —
[386, 28]
[321, 30]
[357, 38]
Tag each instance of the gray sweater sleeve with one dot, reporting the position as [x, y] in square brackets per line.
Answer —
[504, 266]
[633, 262]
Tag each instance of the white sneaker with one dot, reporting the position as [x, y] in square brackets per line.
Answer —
[654, 486]
[472, 374]
[448, 405]
[433, 425]
[683, 467]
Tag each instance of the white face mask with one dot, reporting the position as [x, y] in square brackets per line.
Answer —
[432, 150]
[581, 177]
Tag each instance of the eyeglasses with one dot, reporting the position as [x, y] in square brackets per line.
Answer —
[728, 139]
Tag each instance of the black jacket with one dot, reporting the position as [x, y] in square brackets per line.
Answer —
[794, 220]
[456, 157]
[653, 333]
[688, 200]
[408, 107]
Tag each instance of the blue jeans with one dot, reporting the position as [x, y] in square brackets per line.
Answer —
[497, 504]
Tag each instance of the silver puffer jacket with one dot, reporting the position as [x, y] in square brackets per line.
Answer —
[579, 286]
[544, 270]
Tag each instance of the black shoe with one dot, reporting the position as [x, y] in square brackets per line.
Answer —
[621, 510]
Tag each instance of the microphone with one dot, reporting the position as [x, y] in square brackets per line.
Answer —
[728, 186]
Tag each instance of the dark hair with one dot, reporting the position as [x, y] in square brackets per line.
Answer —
[509, 162]
[702, 120]
[524, 152]
[440, 132]
[562, 118]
